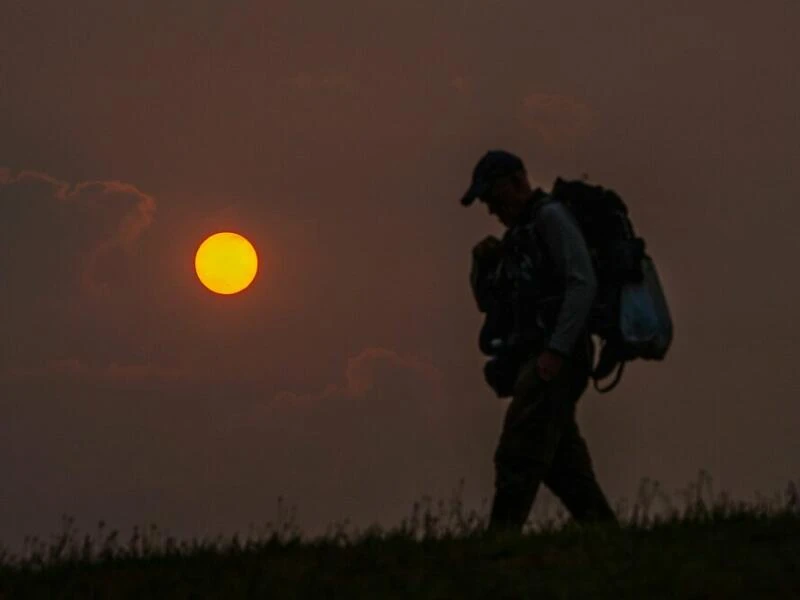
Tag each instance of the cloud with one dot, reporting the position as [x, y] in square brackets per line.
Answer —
[557, 119]
[366, 446]
[368, 368]
[375, 380]
[95, 218]
[68, 256]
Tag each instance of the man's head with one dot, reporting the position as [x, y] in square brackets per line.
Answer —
[500, 182]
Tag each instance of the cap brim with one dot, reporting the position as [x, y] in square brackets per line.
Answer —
[476, 190]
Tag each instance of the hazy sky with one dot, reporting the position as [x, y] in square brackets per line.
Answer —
[338, 137]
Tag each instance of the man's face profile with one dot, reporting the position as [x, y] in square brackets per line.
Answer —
[505, 199]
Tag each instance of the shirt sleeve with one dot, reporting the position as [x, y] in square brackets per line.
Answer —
[567, 248]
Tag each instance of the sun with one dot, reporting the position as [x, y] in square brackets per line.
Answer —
[226, 263]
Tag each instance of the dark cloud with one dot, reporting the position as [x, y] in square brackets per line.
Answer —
[369, 446]
[68, 249]
[96, 218]
[364, 447]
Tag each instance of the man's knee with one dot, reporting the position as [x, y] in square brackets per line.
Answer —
[520, 470]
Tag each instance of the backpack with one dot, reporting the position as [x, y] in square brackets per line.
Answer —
[630, 314]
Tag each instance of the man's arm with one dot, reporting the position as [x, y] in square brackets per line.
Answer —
[567, 248]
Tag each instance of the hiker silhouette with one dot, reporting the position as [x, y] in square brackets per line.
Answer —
[545, 367]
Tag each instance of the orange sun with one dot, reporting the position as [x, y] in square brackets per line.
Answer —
[226, 263]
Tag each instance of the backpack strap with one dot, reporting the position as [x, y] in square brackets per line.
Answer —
[614, 383]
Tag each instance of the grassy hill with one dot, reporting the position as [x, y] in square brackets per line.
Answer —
[720, 550]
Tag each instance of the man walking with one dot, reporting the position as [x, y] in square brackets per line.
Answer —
[540, 441]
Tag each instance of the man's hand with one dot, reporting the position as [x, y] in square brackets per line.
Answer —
[548, 364]
[487, 247]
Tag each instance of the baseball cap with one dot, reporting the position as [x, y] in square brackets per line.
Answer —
[492, 165]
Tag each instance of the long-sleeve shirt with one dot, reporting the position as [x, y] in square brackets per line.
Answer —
[567, 249]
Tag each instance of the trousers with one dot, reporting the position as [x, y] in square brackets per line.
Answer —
[540, 443]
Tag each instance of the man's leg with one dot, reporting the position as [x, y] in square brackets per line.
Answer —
[572, 478]
[531, 433]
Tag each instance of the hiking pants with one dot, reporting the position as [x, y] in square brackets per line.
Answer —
[540, 442]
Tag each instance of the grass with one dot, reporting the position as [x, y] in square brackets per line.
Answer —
[711, 547]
